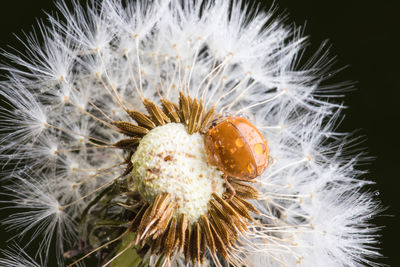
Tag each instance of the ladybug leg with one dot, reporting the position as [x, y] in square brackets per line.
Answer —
[230, 187]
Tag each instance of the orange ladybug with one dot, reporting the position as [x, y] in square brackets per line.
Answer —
[237, 148]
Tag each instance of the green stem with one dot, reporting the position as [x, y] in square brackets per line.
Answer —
[129, 258]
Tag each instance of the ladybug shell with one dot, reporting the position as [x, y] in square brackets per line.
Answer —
[237, 148]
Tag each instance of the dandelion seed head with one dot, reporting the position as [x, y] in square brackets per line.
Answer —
[105, 131]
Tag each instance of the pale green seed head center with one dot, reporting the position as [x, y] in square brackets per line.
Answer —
[170, 160]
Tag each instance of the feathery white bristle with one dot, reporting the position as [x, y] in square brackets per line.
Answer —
[15, 256]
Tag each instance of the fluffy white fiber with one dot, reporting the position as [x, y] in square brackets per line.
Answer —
[61, 91]
[15, 256]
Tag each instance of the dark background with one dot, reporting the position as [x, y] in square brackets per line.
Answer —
[362, 34]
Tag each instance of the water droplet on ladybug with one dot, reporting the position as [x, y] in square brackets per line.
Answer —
[239, 142]
[216, 158]
[216, 144]
[259, 148]
[250, 168]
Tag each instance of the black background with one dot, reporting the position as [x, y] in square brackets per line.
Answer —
[362, 34]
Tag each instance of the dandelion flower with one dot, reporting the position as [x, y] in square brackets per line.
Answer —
[179, 132]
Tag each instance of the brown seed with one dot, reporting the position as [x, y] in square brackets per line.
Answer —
[156, 246]
[237, 221]
[199, 116]
[247, 204]
[128, 143]
[164, 220]
[221, 248]
[157, 206]
[187, 244]
[142, 119]
[184, 107]
[195, 241]
[153, 217]
[138, 218]
[143, 224]
[155, 112]
[206, 229]
[160, 203]
[244, 190]
[208, 117]
[128, 169]
[169, 244]
[170, 110]
[203, 246]
[226, 206]
[194, 110]
[190, 101]
[225, 221]
[130, 129]
[240, 208]
[176, 107]
[182, 226]
[221, 229]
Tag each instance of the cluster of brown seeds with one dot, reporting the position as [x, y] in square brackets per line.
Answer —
[190, 112]
[155, 223]
[217, 231]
